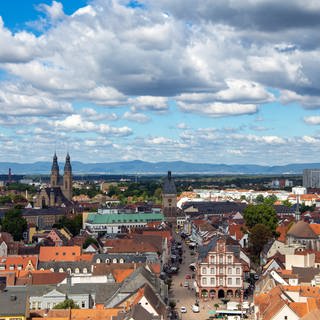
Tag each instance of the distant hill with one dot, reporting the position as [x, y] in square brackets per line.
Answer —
[142, 167]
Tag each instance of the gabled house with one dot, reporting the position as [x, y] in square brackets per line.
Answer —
[220, 269]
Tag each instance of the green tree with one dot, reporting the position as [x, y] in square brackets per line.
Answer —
[259, 198]
[259, 235]
[89, 241]
[286, 203]
[260, 214]
[73, 225]
[270, 199]
[66, 304]
[14, 223]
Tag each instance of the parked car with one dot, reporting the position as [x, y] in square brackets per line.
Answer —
[187, 276]
[195, 308]
[186, 284]
[183, 310]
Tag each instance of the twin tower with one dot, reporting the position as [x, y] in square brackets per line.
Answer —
[55, 180]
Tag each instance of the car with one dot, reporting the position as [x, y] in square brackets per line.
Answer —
[195, 308]
[183, 310]
[188, 276]
[186, 284]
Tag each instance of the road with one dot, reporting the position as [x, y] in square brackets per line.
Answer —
[187, 297]
[184, 296]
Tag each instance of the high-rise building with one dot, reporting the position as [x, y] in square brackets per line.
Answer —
[311, 178]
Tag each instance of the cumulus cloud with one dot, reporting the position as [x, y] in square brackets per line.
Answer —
[314, 120]
[212, 59]
[219, 109]
[76, 123]
[135, 116]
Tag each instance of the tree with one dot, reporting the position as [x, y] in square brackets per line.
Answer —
[89, 241]
[66, 304]
[259, 198]
[73, 225]
[270, 199]
[14, 224]
[260, 214]
[286, 203]
[259, 235]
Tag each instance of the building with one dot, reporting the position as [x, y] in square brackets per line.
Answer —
[59, 192]
[14, 303]
[220, 269]
[311, 178]
[169, 198]
[119, 223]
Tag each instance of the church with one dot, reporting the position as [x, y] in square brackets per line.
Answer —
[59, 192]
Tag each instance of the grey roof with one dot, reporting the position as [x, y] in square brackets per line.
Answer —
[13, 301]
[139, 313]
[105, 292]
[305, 274]
[169, 186]
[77, 288]
[127, 258]
[56, 265]
[216, 208]
[204, 250]
[136, 280]
[55, 166]
[43, 212]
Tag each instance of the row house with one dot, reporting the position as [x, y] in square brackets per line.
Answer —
[220, 269]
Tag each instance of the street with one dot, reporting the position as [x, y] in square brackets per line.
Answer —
[184, 296]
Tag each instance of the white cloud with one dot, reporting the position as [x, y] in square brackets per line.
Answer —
[136, 116]
[219, 109]
[149, 102]
[313, 120]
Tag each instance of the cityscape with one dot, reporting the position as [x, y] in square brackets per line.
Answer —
[159, 160]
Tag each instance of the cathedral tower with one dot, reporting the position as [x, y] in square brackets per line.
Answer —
[54, 177]
[67, 179]
[169, 198]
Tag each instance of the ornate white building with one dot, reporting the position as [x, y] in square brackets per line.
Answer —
[220, 269]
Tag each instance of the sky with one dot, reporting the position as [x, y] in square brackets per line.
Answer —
[211, 81]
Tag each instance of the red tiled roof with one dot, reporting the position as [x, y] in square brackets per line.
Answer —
[59, 253]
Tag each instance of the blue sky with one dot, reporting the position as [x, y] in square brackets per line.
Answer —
[217, 82]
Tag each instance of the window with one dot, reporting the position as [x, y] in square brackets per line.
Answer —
[83, 304]
[212, 259]
[212, 270]
[229, 281]
[237, 281]
[85, 270]
[229, 259]
[221, 270]
[61, 270]
[204, 281]
[98, 261]
[121, 260]
[221, 259]
[212, 281]
[114, 260]
[229, 270]
[204, 270]
[238, 271]
[77, 270]
[221, 281]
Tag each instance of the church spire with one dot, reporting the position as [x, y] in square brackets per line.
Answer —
[54, 178]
